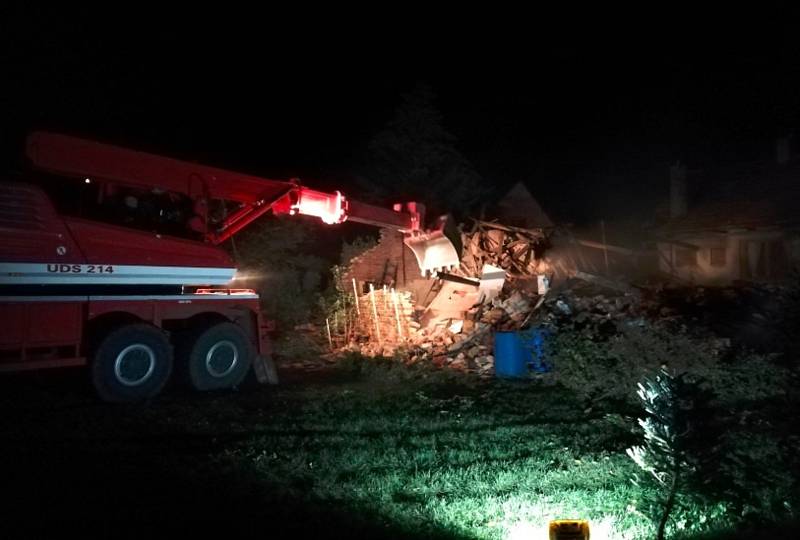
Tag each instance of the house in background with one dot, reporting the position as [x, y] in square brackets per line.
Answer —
[745, 226]
[519, 208]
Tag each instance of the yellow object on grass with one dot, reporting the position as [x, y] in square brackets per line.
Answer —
[569, 529]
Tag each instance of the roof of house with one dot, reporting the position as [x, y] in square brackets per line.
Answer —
[519, 205]
[728, 215]
[748, 196]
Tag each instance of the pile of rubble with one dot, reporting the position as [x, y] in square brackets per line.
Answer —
[460, 332]
[517, 251]
[591, 308]
[385, 322]
[467, 344]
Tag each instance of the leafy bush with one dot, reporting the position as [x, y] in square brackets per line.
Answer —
[610, 369]
[748, 378]
[598, 370]
[355, 248]
[276, 256]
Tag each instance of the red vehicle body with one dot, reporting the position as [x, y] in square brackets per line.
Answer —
[133, 303]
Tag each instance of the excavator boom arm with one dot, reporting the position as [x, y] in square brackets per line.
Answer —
[81, 158]
[73, 156]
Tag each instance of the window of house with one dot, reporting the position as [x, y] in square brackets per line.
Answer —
[685, 257]
[717, 256]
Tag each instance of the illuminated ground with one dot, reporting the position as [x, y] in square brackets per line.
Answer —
[376, 454]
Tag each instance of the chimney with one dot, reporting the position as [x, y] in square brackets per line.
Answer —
[783, 150]
[678, 204]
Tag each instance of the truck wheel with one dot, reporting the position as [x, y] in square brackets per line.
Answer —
[217, 357]
[131, 363]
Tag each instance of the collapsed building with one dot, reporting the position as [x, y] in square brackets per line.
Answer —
[517, 270]
[504, 274]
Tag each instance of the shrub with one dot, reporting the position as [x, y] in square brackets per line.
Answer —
[609, 369]
[278, 256]
[355, 248]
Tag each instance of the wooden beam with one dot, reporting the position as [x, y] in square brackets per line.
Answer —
[609, 247]
[509, 228]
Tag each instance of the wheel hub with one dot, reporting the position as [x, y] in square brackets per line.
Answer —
[222, 359]
[135, 364]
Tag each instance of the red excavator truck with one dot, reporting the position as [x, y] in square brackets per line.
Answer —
[127, 275]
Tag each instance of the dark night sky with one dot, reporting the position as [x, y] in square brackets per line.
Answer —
[583, 115]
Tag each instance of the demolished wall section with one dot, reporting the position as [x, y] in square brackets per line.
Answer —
[389, 263]
[385, 318]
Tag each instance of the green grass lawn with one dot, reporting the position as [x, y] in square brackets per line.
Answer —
[368, 453]
[477, 461]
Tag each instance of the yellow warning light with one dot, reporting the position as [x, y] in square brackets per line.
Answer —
[569, 529]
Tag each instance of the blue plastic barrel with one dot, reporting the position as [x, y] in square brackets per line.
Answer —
[510, 357]
[516, 354]
[533, 341]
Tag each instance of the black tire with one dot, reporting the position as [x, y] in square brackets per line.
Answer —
[216, 358]
[131, 363]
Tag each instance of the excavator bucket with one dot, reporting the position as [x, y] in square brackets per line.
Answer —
[433, 250]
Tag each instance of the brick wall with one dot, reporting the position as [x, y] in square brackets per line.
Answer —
[369, 267]
[393, 258]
